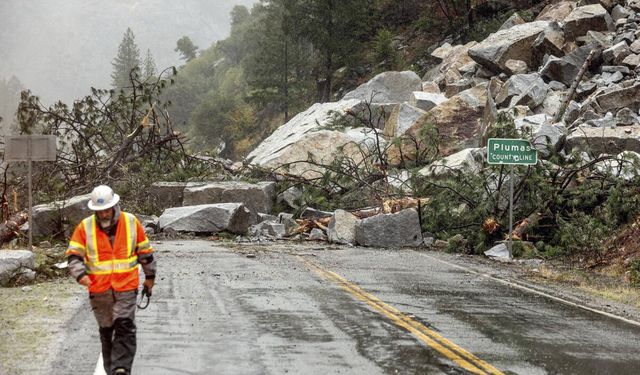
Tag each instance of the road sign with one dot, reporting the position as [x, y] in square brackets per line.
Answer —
[18, 148]
[511, 151]
[29, 148]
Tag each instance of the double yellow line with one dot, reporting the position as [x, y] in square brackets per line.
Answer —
[434, 340]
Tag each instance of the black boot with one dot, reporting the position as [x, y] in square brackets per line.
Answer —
[106, 338]
[124, 345]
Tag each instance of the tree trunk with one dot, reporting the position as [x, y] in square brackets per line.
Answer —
[520, 231]
[9, 229]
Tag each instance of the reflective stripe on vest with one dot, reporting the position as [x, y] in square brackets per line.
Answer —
[97, 267]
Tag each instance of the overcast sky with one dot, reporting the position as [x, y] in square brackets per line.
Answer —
[60, 48]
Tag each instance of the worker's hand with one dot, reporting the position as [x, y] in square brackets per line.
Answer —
[148, 283]
[85, 281]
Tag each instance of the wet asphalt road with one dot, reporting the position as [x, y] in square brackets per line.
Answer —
[330, 310]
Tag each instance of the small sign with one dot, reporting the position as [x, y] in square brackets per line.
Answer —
[511, 151]
[42, 148]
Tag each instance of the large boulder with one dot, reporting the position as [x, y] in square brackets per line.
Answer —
[59, 216]
[342, 227]
[510, 44]
[167, 194]
[401, 229]
[258, 197]
[455, 62]
[556, 12]
[13, 263]
[459, 125]
[566, 68]
[623, 98]
[401, 119]
[610, 141]
[549, 42]
[207, 218]
[523, 89]
[468, 161]
[313, 133]
[587, 18]
[426, 100]
[547, 137]
[387, 87]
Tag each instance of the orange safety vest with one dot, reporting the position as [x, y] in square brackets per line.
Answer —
[110, 267]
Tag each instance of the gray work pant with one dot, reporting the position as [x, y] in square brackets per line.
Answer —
[115, 314]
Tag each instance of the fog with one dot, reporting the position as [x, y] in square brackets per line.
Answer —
[60, 48]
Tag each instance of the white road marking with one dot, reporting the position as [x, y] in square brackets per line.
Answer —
[530, 290]
[99, 367]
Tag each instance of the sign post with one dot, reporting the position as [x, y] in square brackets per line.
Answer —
[501, 151]
[30, 148]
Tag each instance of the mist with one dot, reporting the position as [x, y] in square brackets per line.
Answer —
[60, 48]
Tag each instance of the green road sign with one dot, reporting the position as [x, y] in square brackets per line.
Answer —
[511, 151]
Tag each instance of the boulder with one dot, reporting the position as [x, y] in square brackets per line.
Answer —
[620, 12]
[516, 67]
[402, 118]
[514, 20]
[626, 116]
[547, 137]
[587, 18]
[455, 87]
[207, 218]
[342, 227]
[458, 121]
[622, 98]
[317, 235]
[314, 133]
[616, 53]
[258, 197]
[556, 12]
[454, 59]
[14, 263]
[53, 218]
[631, 61]
[566, 69]
[387, 87]
[551, 104]
[401, 229]
[610, 141]
[514, 43]
[167, 194]
[292, 197]
[267, 229]
[549, 42]
[425, 100]
[523, 89]
[468, 161]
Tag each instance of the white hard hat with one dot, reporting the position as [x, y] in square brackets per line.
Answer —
[102, 197]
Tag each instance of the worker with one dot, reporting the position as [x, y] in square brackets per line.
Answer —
[103, 255]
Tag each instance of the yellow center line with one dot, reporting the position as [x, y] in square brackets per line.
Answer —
[453, 352]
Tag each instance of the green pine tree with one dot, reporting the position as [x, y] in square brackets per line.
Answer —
[127, 63]
[278, 57]
[336, 29]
